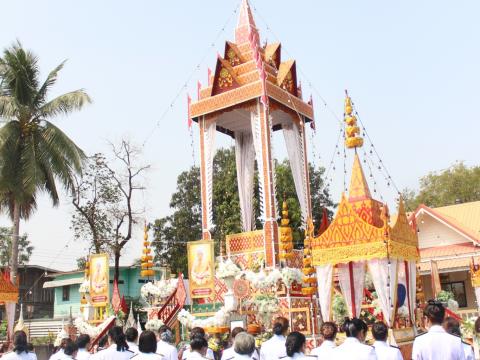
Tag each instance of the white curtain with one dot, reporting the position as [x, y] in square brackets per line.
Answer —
[10, 310]
[296, 155]
[384, 277]
[257, 143]
[358, 277]
[412, 284]
[325, 281]
[245, 161]
[209, 148]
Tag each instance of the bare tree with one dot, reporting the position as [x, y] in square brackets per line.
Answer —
[104, 200]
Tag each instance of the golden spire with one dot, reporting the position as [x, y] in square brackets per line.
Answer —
[147, 259]
[352, 140]
[358, 183]
[286, 237]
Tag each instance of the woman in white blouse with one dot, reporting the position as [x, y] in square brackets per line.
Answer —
[328, 330]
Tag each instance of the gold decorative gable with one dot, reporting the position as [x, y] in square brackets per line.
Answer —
[225, 78]
[358, 184]
[287, 77]
[232, 54]
[401, 231]
[273, 54]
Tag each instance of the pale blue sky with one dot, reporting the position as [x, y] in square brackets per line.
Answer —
[411, 68]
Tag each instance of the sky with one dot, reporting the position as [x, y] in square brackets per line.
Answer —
[411, 68]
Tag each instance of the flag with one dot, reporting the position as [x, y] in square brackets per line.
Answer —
[324, 224]
[123, 305]
[116, 302]
[189, 120]
[199, 87]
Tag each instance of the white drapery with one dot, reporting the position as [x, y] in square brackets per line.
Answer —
[296, 155]
[477, 296]
[245, 161]
[10, 310]
[412, 287]
[257, 144]
[210, 129]
[384, 277]
[357, 275]
[325, 281]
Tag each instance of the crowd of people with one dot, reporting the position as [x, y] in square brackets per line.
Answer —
[441, 341]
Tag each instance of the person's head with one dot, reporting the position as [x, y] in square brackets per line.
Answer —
[434, 313]
[116, 336]
[82, 341]
[244, 344]
[20, 343]
[380, 331]
[355, 328]
[199, 344]
[103, 341]
[280, 326]
[63, 343]
[165, 334]
[477, 325]
[70, 348]
[197, 332]
[295, 343]
[30, 347]
[147, 342]
[131, 334]
[235, 332]
[328, 330]
[452, 326]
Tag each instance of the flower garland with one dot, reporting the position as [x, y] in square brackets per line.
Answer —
[227, 269]
[160, 289]
[84, 327]
[190, 321]
[264, 281]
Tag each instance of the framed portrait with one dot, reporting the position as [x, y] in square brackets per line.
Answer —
[201, 268]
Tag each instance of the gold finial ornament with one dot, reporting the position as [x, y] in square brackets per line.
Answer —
[309, 278]
[352, 131]
[147, 259]
[286, 237]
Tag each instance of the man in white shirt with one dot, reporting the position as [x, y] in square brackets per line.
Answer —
[274, 348]
[195, 333]
[229, 353]
[244, 347]
[198, 349]
[383, 350]
[131, 335]
[452, 326]
[436, 344]
[164, 346]
[83, 341]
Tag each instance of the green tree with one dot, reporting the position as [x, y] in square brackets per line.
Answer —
[25, 248]
[455, 185]
[172, 232]
[35, 154]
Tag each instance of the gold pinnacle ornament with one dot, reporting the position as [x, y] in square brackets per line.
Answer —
[309, 279]
[286, 237]
[352, 131]
[147, 259]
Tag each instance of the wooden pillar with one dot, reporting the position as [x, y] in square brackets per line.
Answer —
[203, 181]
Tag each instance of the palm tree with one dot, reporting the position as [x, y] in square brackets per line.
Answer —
[34, 153]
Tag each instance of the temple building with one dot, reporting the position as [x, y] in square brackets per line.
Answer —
[449, 239]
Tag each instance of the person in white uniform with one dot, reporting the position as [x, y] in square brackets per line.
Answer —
[118, 348]
[295, 346]
[328, 330]
[164, 344]
[147, 347]
[31, 352]
[59, 353]
[83, 342]
[198, 349]
[229, 352]
[194, 333]
[20, 347]
[452, 326]
[70, 351]
[436, 344]
[131, 335]
[244, 347]
[383, 350]
[274, 348]
[354, 346]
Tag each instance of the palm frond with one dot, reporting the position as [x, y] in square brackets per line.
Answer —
[64, 104]
[49, 82]
[8, 107]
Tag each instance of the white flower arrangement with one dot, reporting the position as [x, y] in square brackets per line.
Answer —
[452, 304]
[84, 287]
[290, 275]
[62, 334]
[154, 324]
[227, 269]
[266, 306]
[190, 321]
[84, 327]
[160, 289]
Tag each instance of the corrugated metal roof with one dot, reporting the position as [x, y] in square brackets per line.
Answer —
[58, 283]
[467, 215]
[454, 264]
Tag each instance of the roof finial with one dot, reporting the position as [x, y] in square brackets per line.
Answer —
[352, 131]
[246, 24]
